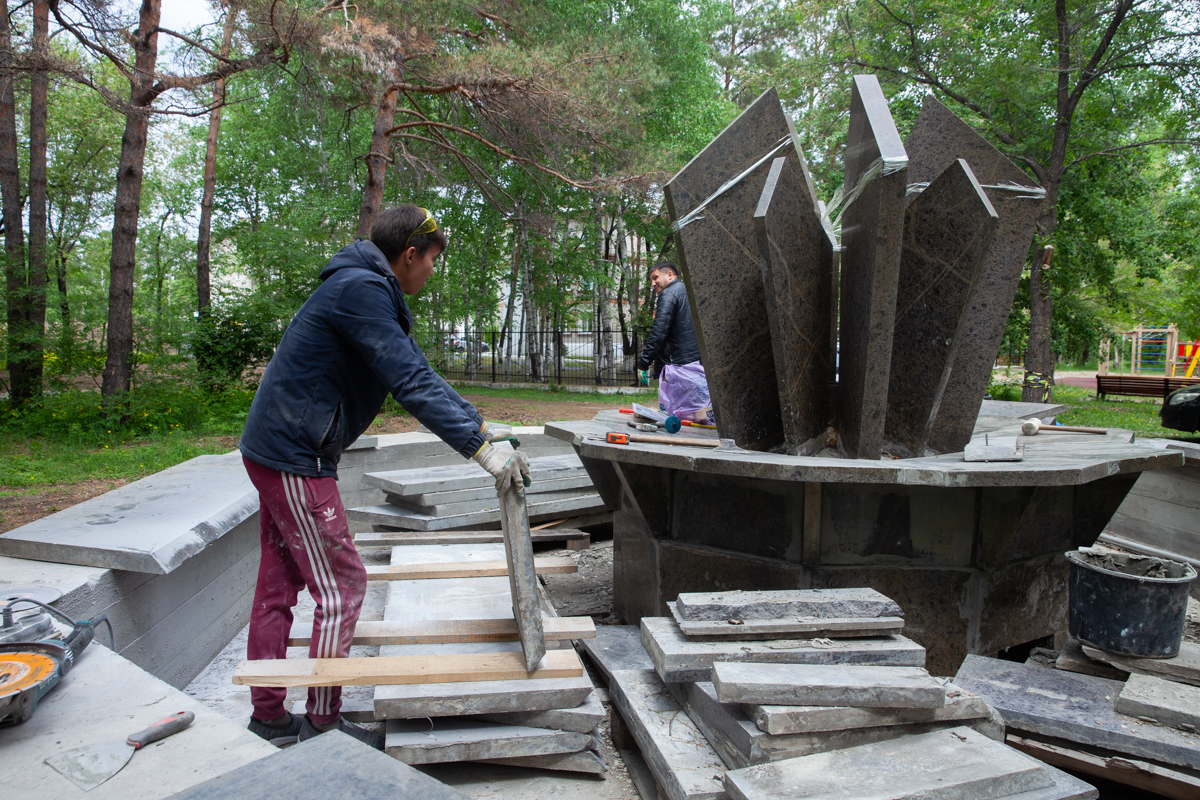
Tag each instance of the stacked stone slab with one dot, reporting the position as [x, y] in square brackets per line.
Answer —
[905, 312]
[546, 723]
[459, 497]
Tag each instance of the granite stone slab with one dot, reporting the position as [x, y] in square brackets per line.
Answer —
[587, 761]
[734, 629]
[955, 764]
[779, 719]
[331, 765]
[872, 232]
[741, 743]
[796, 254]
[522, 577]
[774, 605]
[581, 719]
[617, 647]
[678, 659]
[1174, 704]
[684, 764]
[937, 139]
[489, 492]
[396, 517]
[948, 231]
[487, 504]
[1062, 460]
[151, 525]
[718, 253]
[855, 686]
[436, 741]
[1078, 708]
[467, 476]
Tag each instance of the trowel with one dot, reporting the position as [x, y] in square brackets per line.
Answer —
[88, 767]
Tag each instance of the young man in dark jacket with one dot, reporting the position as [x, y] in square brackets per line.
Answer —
[346, 349]
[674, 351]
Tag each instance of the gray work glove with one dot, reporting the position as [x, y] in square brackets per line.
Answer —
[511, 469]
[493, 430]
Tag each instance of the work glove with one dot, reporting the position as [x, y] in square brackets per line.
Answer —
[510, 469]
[642, 381]
[493, 430]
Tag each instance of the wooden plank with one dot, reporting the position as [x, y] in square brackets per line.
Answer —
[522, 577]
[450, 631]
[1146, 775]
[401, 538]
[392, 670]
[550, 565]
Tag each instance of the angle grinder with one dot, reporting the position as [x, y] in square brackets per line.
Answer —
[34, 656]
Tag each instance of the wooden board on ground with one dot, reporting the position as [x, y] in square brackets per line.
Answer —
[391, 670]
[522, 575]
[1184, 668]
[575, 539]
[755, 629]
[551, 565]
[1117, 767]
[449, 631]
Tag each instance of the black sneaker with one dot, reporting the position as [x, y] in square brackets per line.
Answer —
[308, 731]
[278, 734]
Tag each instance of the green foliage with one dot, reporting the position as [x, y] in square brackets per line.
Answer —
[232, 337]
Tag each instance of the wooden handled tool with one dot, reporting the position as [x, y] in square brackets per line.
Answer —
[1031, 427]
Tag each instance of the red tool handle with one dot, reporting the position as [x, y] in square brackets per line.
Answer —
[162, 729]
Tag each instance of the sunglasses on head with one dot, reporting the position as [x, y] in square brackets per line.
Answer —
[428, 226]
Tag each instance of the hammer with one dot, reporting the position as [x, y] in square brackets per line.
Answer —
[1031, 427]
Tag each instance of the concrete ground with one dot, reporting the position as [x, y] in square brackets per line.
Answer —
[586, 592]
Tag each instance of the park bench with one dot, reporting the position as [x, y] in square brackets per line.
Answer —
[1140, 385]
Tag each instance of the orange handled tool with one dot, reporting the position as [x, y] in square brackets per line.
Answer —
[612, 437]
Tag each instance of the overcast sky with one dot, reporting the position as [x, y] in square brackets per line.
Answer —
[184, 15]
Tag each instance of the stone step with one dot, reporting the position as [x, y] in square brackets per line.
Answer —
[780, 719]
[395, 517]
[677, 658]
[587, 761]
[436, 741]
[776, 605]
[827, 685]
[1174, 704]
[953, 764]
[483, 504]
[582, 719]
[737, 629]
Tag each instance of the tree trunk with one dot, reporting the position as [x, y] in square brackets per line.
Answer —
[20, 385]
[1039, 362]
[506, 336]
[204, 240]
[39, 82]
[118, 366]
[66, 333]
[377, 161]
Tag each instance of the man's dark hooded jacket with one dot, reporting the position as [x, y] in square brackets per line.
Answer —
[672, 338]
[346, 349]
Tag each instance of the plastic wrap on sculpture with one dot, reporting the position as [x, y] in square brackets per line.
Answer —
[683, 392]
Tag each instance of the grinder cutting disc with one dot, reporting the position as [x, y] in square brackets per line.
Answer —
[27, 671]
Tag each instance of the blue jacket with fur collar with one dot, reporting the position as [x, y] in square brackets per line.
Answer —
[346, 349]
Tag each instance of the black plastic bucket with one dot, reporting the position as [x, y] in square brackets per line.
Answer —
[1130, 604]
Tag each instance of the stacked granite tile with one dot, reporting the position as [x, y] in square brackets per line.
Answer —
[871, 323]
[547, 723]
[821, 697]
[463, 497]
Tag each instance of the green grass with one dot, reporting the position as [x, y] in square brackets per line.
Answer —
[34, 462]
[1139, 415]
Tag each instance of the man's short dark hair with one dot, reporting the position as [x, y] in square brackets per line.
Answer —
[393, 230]
[667, 265]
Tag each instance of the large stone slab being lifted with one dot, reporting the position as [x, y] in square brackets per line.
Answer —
[440, 509]
[827, 685]
[717, 248]
[332, 765]
[796, 254]
[677, 658]
[774, 605]
[1170, 703]
[1078, 708]
[489, 492]
[779, 719]
[955, 764]
[741, 743]
[522, 580]
[436, 741]
[468, 476]
[872, 232]
[152, 525]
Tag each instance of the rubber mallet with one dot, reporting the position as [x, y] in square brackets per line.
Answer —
[1032, 426]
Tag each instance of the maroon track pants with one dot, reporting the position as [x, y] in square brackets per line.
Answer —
[305, 542]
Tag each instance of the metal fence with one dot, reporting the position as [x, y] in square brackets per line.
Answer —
[580, 358]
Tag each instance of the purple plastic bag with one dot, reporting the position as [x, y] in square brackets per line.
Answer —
[683, 392]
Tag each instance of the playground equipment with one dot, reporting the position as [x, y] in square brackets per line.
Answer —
[1150, 349]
